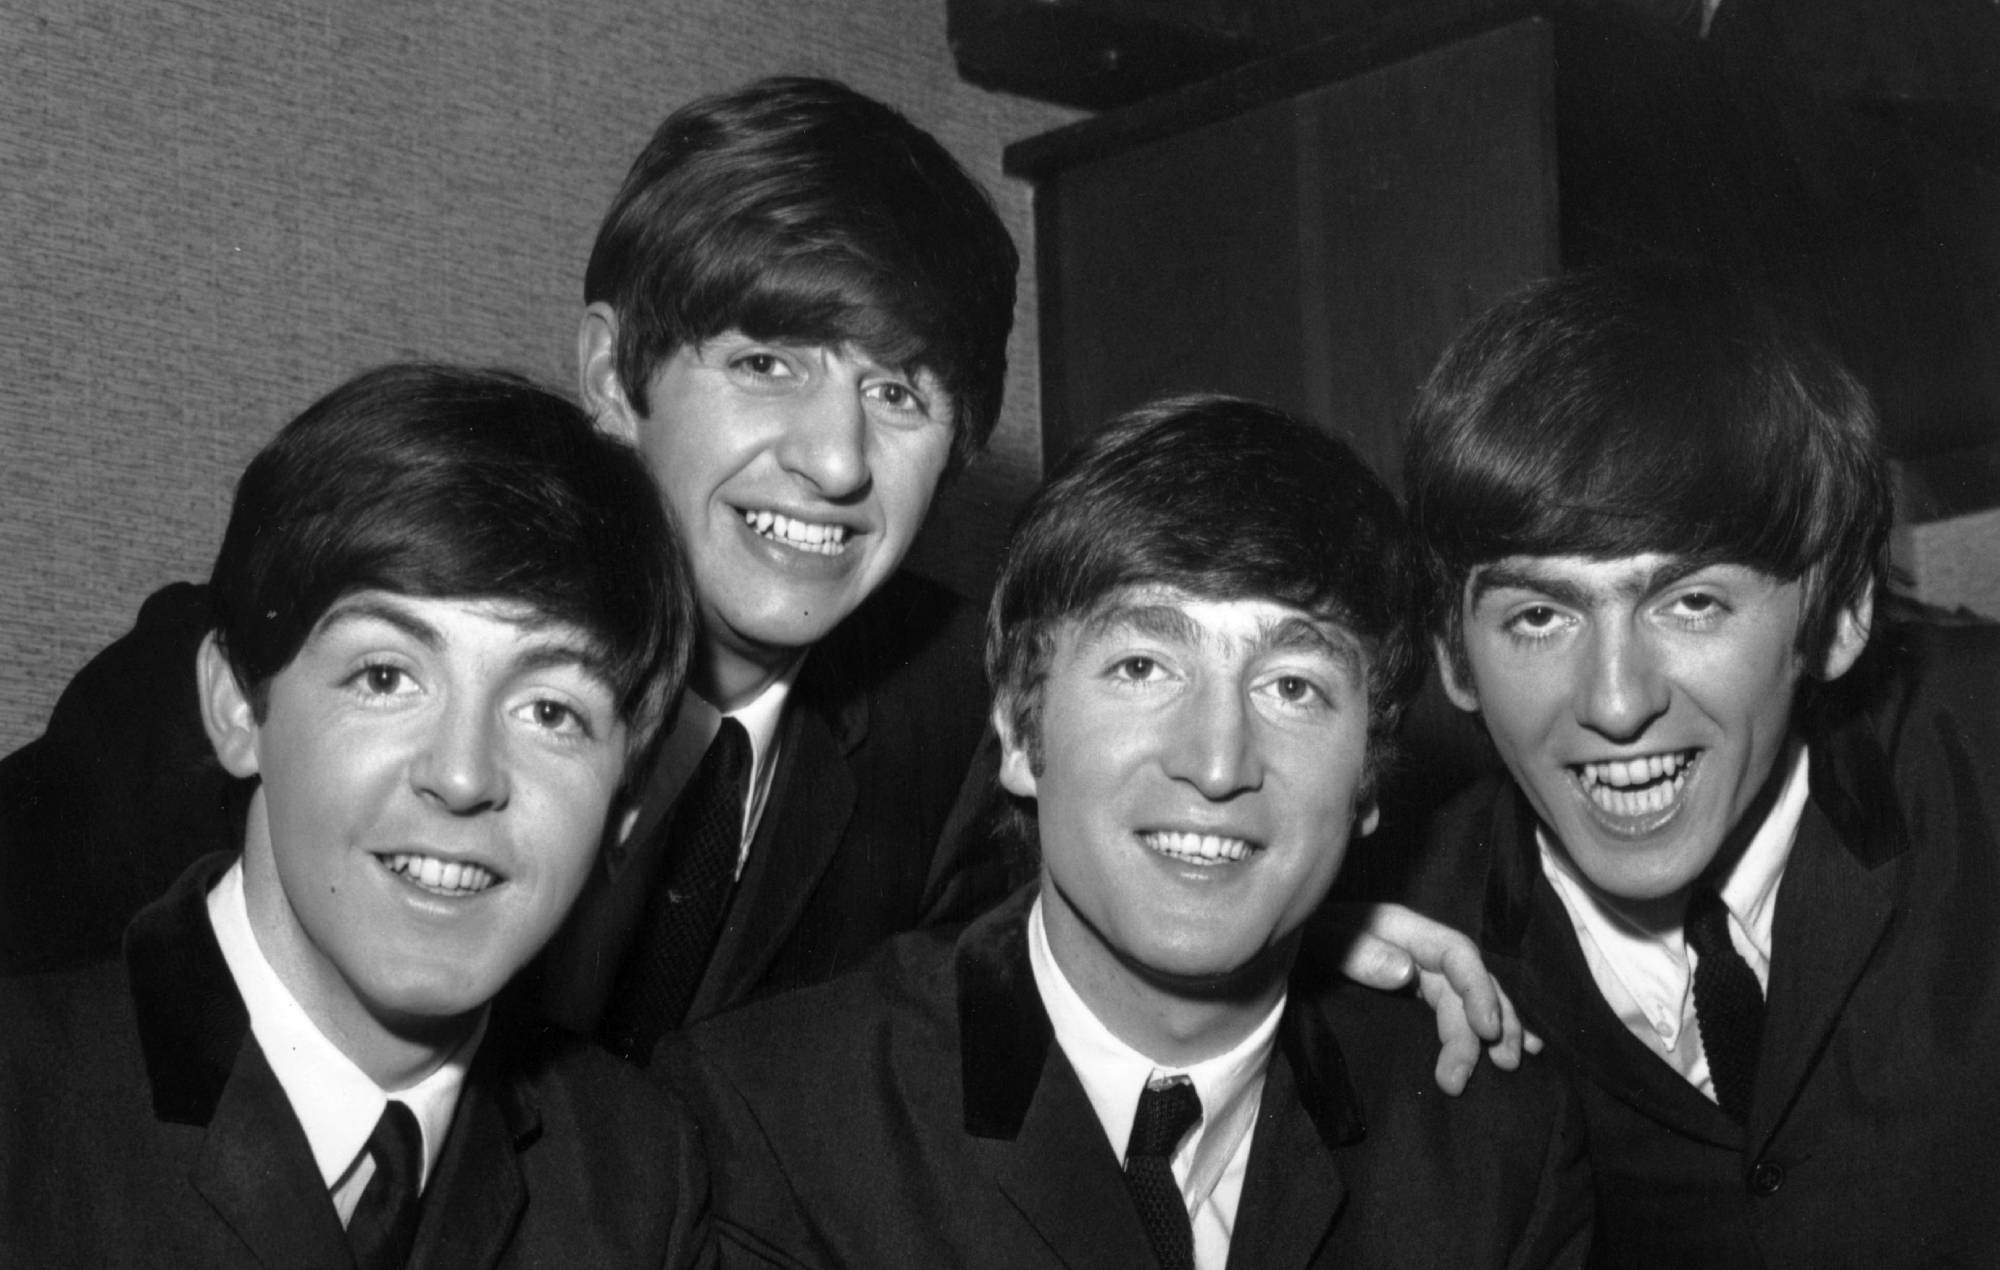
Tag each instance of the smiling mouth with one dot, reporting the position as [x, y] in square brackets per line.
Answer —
[801, 535]
[1630, 789]
[1204, 850]
[441, 877]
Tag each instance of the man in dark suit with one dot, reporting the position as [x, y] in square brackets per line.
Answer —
[1744, 876]
[448, 616]
[1201, 639]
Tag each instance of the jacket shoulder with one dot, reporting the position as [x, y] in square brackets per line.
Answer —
[118, 795]
[1508, 1156]
[615, 1167]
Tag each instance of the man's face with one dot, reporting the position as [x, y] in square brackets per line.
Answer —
[1203, 765]
[1640, 703]
[435, 778]
[798, 476]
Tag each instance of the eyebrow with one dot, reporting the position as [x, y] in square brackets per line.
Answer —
[1531, 576]
[555, 651]
[1296, 633]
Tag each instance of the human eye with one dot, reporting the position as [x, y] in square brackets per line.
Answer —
[1696, 608]
[1136, 668]
[558, 718]
[1295, 691]
[765, 366]
[381, 680]
[1535, 622]
[899, 400]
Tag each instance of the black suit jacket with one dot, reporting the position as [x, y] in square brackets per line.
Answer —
[918, 1113]
[121, 792]
[144, 1127]
[1874, 1132]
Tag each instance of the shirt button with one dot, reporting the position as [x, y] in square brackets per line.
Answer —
[1766, 1178]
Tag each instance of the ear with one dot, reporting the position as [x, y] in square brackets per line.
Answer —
[1850, 635]
[1461, 694]
[598, 385]
[1017, 774]
[1370, 816]
[225, 711]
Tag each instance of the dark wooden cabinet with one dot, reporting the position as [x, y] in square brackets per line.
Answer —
[1312, 228]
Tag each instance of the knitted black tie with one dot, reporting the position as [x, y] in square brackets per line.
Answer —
[703, 837]
[384, 1225]
[1166, 1112]
[1728, 1004]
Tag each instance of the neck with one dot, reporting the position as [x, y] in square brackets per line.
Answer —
[730, 678]
[1174, 1021]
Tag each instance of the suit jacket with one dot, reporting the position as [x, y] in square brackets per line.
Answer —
[121, 792]
[1873, 1138]
[919, 1113]
[144, 1127]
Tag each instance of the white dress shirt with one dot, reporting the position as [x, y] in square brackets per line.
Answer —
[1211, 1160]
[335, 1101]
[1646, 975]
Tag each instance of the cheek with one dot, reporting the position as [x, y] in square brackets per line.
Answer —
[569, 826]
[1519, 702]
[907, 471]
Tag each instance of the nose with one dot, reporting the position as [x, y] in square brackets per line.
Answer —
[460, 767]
[1623, 687]
[1212, 743]
[826, 438]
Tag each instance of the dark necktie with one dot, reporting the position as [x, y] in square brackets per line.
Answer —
[1166, 1112]
[703, 838]
[384, 1224]
[1728, 1004]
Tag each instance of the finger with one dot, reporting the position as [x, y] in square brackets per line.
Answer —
[1506, 1052]
[1377, 963]
[1477, 991]
[1459, 1045]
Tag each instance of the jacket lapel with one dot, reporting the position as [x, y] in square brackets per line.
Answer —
[1833, 908]
[257, 1172]
[255, 1168]
[811, 800]
[475, 1199]
[1537, 956]
[1293, 1191]
[1030, 1125]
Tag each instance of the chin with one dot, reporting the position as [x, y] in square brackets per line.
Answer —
[1206, 971]
[438, 997]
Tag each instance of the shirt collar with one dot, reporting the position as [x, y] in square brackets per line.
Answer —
[1750, 892]
[695, 724]
[1113, 1074]
[335, 1101]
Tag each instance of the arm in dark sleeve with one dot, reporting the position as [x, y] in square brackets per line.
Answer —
[1565, 1209]
[755, 1214]
[118, 795]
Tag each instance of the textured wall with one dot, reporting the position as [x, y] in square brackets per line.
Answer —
[214, 211]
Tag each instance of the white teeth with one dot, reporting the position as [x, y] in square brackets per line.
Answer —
[1638, 771]
[455, 877]
[825, 540]
[1640, 786]
[1198, 848]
